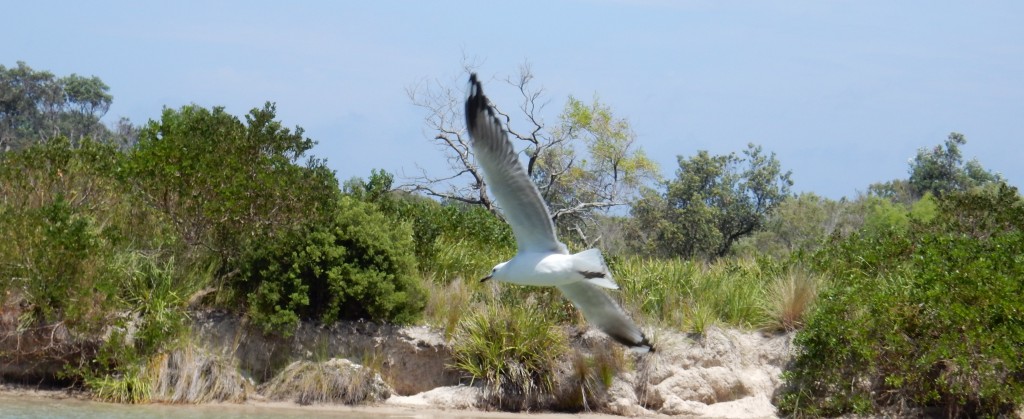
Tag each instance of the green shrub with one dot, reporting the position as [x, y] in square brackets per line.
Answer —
[64, 258]
[358, 266]
[452, 239]
[928, 318]
[223, 181]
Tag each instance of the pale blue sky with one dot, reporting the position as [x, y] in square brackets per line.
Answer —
[844, 92]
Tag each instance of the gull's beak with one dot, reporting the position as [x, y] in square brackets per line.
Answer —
[484, 279]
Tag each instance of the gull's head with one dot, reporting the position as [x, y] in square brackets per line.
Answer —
[496, 272]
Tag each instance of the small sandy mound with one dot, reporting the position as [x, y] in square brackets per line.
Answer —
[333, 381]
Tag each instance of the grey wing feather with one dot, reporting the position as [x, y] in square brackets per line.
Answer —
[601, 310]
[518, 197]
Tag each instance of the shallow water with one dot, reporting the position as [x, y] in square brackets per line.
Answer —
[34, 407]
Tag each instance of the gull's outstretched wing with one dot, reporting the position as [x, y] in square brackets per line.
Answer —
[599, 308]
[506, 179]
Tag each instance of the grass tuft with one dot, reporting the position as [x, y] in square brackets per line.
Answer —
[446, 305]
[513, 349]
[789, 298]
[190, 375]
[334, 381]
[132, 386]
[590, 376]
[699, 318]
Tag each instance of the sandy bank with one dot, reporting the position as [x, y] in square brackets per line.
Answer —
[721, 373]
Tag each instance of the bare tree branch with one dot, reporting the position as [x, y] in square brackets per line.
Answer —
[445, 119]
[575, 188]
[583, 207]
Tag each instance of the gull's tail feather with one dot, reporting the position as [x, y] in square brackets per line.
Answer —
[601, 310]
[590, 264]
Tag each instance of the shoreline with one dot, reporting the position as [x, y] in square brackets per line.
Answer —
[384, 410]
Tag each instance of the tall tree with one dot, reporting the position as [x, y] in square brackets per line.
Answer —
[585, 164]
[897, 190]
[594, 165]
[713, 202]
[801, 223]
[25, 96]
[36, 106]
[86, 100]
[942, 169]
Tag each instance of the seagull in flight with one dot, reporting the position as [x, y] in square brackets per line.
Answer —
[541, 259]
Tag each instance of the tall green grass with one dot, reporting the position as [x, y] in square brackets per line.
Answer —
[447, 304]
[688, 295]
[464, 259]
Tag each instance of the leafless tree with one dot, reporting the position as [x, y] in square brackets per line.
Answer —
[574, 190]
[446, 121]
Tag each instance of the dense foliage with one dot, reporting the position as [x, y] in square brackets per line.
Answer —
[927, 316]
[358, 265]
[84, 256]
[713, 202]
[451, 239]
[223, 182]
[64, 220]
[942, 169]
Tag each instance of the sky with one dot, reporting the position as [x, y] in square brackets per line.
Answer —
[843, 92]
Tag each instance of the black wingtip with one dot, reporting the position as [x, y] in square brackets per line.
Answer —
[643, 346]
[476, 102]
[646, 343]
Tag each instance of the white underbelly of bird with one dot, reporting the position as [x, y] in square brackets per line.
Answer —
[553, 269]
